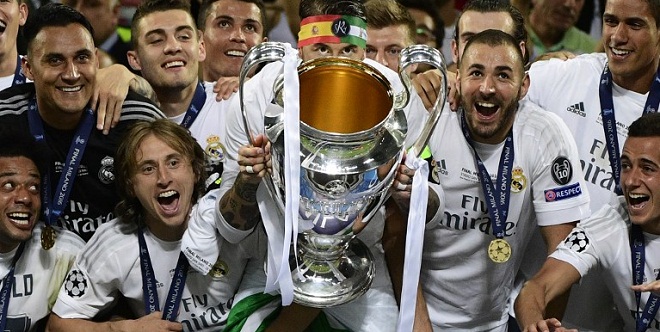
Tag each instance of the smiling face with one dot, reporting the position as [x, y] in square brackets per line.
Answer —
[13, 14]
[164, 184]
[19, 200]
[492, 82]
[631, 39]
[640, 181]
[62, 63]
[168, 50]
[232, 28]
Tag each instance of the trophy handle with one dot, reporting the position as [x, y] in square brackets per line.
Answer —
[416, 54]
[264, 52]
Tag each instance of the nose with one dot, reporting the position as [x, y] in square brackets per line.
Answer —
[620, 34]
[237, 35]
[172, 45]
[487, 85]
[381, 58]
[163, 176]
[23, 196]
[71, 72]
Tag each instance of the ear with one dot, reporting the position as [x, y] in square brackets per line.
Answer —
[202, 46]
[22, 13]
[454, 51]
[524, 87]
[27, 69]
[133, 60]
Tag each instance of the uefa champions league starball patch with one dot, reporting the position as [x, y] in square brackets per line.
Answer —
[577, 241]
[75, 283]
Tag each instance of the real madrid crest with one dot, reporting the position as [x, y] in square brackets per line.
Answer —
[107, 170]
[215, 151]
[219, 269]
[518, 180]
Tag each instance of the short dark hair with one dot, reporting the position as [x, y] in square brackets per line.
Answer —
[16, 143]
[489, 6]
[646, 126]
[177, 137]
[493, 38]
[52, 15]
[332, 7]
[429, 8]
[153, 6]
[206, 6]
[385, 13]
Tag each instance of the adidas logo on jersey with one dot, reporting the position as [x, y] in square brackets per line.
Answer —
[577, 109]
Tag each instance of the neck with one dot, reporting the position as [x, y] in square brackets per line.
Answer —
[548, 35]
[165, 232]
[8, 247]
[8, 63]
[59, 120]
[638, 82]
[175, 102]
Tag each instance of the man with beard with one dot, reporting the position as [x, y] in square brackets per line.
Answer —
[510, 167]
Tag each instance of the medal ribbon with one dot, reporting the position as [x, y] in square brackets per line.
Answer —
[638, 260]
[7, 282]
[497, 195]
[149, 293]
[609, 121]
[19, 77]
[53, 209]
[196, 105]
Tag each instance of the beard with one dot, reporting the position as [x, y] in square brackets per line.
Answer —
[484, 132]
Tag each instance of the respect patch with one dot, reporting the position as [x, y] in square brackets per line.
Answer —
[557, 194]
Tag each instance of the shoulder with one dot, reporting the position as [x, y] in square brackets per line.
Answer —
[113, 238]
[137, 107]
[589, 63]
[533, 117]
[15, 100]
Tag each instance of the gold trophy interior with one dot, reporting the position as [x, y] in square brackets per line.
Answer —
[340, 96]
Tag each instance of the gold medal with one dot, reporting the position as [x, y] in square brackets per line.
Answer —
[48, 236]
[499, 251]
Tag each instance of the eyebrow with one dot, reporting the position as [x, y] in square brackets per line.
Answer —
[10, 174]
[162, 31]
[230, 18]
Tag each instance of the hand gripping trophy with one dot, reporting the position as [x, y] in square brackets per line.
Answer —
[337, 131]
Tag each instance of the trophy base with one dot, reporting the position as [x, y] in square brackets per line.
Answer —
[324, 282]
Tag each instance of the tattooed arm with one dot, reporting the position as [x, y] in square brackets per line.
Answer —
[239, 205]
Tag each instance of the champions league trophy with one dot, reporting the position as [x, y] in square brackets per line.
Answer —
[352, 132]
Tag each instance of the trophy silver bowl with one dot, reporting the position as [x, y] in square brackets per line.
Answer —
[352, 133]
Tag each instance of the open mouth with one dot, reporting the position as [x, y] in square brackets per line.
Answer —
[486, 109]
[19, 218]
[169, 200]
[3, 26]
[174, 64]
[637, 200]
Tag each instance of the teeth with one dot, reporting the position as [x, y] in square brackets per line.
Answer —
[634, 196]
[3, 25]
[174, 64]
[236, 53]
[484, 104]
[167, 194]
[19, 215]
[619, 52]
[71, 88]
